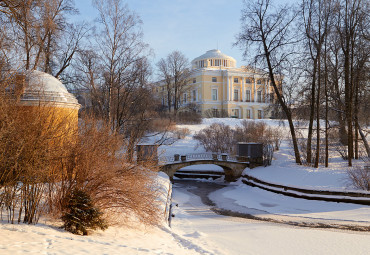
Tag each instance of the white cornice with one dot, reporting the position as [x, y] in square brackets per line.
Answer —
[226, 72]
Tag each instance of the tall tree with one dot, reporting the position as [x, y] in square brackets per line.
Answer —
[39, 28]
[351, 24]
[317, 18]
[113, 73]
[268, 28]
[174, 71]
[121, 48]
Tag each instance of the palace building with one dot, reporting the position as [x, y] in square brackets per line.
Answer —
[219, 88]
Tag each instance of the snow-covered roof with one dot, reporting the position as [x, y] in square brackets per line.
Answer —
[40, 86]
[214, 54]
[46, 82]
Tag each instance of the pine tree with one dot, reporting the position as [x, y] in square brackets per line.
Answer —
[81, 214]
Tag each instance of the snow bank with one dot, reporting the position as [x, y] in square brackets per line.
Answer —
[246, 197]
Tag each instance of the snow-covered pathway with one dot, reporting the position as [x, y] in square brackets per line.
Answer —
[218, 234]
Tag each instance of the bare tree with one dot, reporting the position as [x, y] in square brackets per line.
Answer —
[89, 83]
[268, 29]
[351, 28]
[113, 72]
[121, 49]
[317, 18]
[174, 71]
[44, 38]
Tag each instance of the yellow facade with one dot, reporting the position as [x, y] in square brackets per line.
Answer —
[217, 86]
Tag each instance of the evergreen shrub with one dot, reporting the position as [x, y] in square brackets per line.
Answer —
[81, 215]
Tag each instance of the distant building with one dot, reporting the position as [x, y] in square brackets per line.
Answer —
[220, 88]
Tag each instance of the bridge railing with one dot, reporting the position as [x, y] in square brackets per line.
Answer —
[165, 159]
[196, 156]
[199, 156]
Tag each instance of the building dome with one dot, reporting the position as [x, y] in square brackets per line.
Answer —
[213, 58]
[42, 87]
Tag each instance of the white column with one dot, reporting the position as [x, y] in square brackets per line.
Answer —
[254, 90]
[243, 90]
[231, 88]
[228, 87]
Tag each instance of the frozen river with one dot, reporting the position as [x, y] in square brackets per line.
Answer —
[209, 233]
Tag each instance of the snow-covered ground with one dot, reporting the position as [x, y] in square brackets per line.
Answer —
[215, 234]
[283, 170]
[196, 229]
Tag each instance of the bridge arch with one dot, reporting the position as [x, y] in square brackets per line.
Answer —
[233, 170]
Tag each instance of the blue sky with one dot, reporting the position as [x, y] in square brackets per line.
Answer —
[190, 26]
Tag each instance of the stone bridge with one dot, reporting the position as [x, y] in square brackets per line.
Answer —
[233, 168]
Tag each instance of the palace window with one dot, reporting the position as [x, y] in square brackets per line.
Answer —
[194, 95]
[185, 97]
[247, 95]
[248, 113]
[259, 96]
[259, 81]
[194, 80]
[236, 80]
[214, 94]
[247, 80]
[235, 113]
[260, 114]
[214, 79]
[236, 95]
[215, 112]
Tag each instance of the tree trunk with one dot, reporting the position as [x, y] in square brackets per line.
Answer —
[363, 137]
[318, 108]
[284, 106]
[348, 102]
[326, 108]
[356, 118]
[312, 113]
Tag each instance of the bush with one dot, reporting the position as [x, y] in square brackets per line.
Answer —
[44, 158]
[82, 215]
[31, 144]
[211, 113]
[252, 131]
[96, 164]
[360, 177]
[162, 124]
[188, 117]
[181, 133]
[218, 137]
